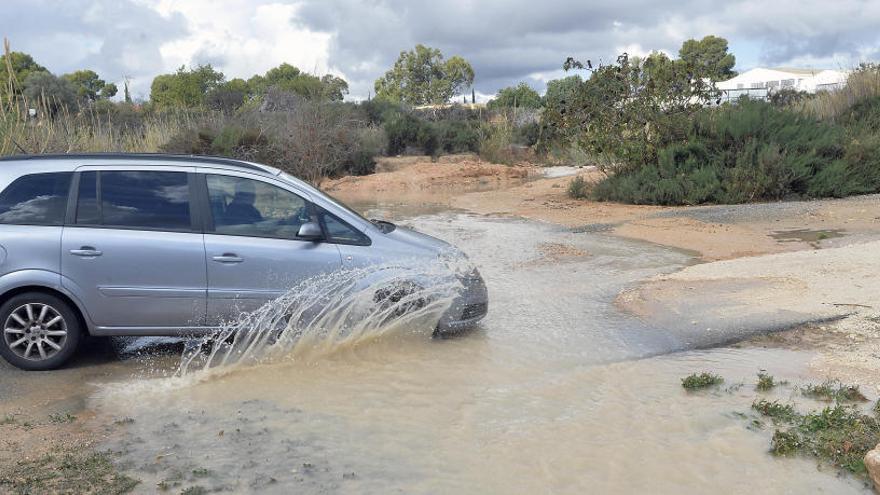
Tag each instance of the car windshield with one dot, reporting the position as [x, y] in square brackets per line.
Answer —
[315, 190]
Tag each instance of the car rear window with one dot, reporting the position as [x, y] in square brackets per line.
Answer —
[36, 199]
[135, 199]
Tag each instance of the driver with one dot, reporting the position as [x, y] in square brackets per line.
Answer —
[241, 210]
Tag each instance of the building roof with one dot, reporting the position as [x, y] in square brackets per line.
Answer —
[794, 70]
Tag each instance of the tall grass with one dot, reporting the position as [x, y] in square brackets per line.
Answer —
[861, 85]
[91, 131]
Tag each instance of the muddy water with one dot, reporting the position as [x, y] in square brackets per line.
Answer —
[555, 392]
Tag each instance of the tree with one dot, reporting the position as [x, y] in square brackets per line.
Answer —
[629, 110]
[185, 88]
[89, 86]
[47, 91]
[289, 79]
[422, 76]
[229, 96]
[21, 65]
[709, 57]
[335, 88]
[519, 96]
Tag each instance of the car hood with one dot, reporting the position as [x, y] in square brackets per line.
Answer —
[419, 241]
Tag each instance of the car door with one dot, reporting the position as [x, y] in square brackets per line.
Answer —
[132, 250]
[253, 252]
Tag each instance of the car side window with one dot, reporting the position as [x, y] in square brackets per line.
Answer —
[341, 232]
[248, 207]
[36, 199]
[151, 200]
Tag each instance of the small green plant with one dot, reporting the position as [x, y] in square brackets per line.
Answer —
[9, 419]
[876, 409]
[195, 490]
[201, 473]
[775, 411]
[60, 418]
[833, 390]
[124, 421]
[68, 471]
[578, 188]
[765, 382]
[785, 443]
[699, 381]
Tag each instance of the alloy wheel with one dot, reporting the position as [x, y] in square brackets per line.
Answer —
[35, 331]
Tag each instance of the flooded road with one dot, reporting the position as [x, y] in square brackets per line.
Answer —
[556, 391]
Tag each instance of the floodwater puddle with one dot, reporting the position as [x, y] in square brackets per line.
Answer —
[810, 236]
[416, 416]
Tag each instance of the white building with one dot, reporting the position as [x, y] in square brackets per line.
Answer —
[760, 82]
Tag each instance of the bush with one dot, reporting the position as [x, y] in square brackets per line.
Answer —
[578, 188]
[458, 136]
[403, 130]
[699, 381]
[496, 145]
[751, 152]
[527, 134]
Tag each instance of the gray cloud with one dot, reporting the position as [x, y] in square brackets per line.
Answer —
[506, 41]
[509, 40]
[116, 38]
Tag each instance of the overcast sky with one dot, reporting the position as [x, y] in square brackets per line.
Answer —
[505, 40]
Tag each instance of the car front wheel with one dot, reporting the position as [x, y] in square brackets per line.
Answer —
[40, 331]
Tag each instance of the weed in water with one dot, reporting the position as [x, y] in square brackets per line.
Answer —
[201, 473]
[699, 381]
[765, 382]
[785, 443]
[833, 390]
[779, 413]
[839, 435]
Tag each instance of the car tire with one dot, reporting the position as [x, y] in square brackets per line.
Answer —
[39, 331]
[393, 294]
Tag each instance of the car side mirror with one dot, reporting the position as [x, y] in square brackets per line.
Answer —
[310, 231]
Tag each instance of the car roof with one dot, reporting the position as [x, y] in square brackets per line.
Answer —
[153, 158]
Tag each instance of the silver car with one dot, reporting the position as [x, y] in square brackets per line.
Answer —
[151, 244]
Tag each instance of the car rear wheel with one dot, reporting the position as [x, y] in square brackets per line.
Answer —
[40, 331]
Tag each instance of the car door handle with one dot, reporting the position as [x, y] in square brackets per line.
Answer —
[228, 258]
[86, 251]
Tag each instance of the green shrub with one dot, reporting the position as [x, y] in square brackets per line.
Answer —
[699, 381]
[527, 134]
[496, 145]
[578, 188]
[403, 130]
[765, 382]
[775, 411]
[834, 390]
[752, 151]
[458, 136]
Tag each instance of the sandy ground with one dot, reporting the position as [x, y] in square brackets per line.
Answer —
[771, 266]
[412, 177]
[835, 284]
[715, 232]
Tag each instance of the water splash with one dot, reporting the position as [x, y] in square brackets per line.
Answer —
[332, 311]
